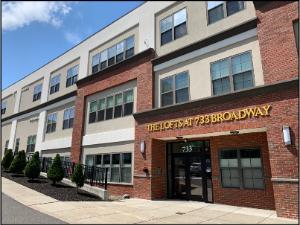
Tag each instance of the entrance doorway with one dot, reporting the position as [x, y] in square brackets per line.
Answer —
[189, 171]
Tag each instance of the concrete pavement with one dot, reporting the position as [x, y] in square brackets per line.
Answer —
[14, 212]
[140, 210]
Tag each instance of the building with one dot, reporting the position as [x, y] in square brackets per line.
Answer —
[187, 100]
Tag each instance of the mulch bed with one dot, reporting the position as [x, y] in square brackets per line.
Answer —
[60, 191]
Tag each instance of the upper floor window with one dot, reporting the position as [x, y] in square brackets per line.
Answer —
[296, 31]
[175, 89]
[72, 75]
[231, 74]
[17, 145]
[37, 92]
[51, 123]
[30, 143]
[217, 10]
[54, 84]
[113, 55]
[241, 168]
[115, 106]
[3, 107]
[173, 27]
[68, 118]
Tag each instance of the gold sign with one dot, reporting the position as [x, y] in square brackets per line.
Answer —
[210, 118]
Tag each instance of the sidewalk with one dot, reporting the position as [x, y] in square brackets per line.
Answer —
[139, 210]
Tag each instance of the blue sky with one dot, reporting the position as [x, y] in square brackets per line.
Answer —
[33, 33]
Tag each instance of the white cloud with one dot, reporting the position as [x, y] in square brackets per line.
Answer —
[72, 37]
[19, 14]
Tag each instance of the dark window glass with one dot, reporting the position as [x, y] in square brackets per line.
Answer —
[17, 145]
[51, 123]
[100, 116]
[234, 6]
[111, 61]
[118, 111]
[54, 84]
[103, 65]
[128, 102]
[95, 69]
[221, 86]
[118, 105]
[129, 53]
[37, 92]
[109, 113]
[129, 47]
[180, 31]
[98, 159]
[116, 159]
[296, 31]
[126, 158]
[215, 14]
[93, 113]
[166, 37]
[106, 159]
[119, 57]
[92, 117]
[128, 109]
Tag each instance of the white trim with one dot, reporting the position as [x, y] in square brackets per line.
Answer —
[40, 131]
[56, 143]
[12, 134]
[17, 101]
[218, 45]
[109, 137]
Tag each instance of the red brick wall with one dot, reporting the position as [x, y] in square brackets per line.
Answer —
[119, 189]
[277, 40]
[139, 69]
[283, 160]
[235, 196]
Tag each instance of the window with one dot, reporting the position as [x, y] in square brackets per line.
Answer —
[296, 31]
[51, 123]
[175, 89]
[217, 10]
[3, 107]
[68, 118]
[173, 27]
[109, 107]
[72, 75]
[37, 92]
[119, 166]
[120, 52]
[118, 105]
[17, 145]
[115, 106]
[101, 110]
[95, 63]
[6, 146]
[103, 60]
[129, 47]
[241, 168]
[30, 143]
[93, 112]
[54, 85]
[112, 55]
[231, 74]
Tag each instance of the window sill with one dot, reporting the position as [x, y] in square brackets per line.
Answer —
[121, 184]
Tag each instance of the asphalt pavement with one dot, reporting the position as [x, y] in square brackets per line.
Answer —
[14, 212]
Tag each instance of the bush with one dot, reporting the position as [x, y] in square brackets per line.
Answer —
[32, 169]
[56, 171]
[19, 163]
[77, 176]
[7, 159]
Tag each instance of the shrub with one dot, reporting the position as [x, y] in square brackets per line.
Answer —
[32, 169]
[77, 176]
[7, 159]
[19, 163]
[56, 171]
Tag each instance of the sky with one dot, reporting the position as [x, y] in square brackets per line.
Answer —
[34, 33]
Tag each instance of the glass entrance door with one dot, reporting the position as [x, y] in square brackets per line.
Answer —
[191, 171]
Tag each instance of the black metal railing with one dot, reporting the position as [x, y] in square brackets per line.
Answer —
[94, 176]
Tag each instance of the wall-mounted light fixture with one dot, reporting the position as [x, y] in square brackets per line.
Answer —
[286, 135]
[142, 149]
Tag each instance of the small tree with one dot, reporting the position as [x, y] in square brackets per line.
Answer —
[77, 176]
[19, 163]
[56, 171]
[7, 159]
[32, 169]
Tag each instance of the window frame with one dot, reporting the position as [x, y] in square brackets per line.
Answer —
[56, 86]
[30, 147]
[229, 58]
[240, 168]
[51, 124]
[296, 22]
[73, 78]
[3, 109]
[17, 144]
[173, 27]
[69, 118]
[224, 7]
[38, 95]
[174, 88]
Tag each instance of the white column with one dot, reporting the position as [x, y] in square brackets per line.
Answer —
[83, 65]
[40, 131]
[12, 134]
[17, 101]
[45, 89]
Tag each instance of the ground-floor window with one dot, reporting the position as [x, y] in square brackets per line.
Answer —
[241, 168]
[119, 165]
